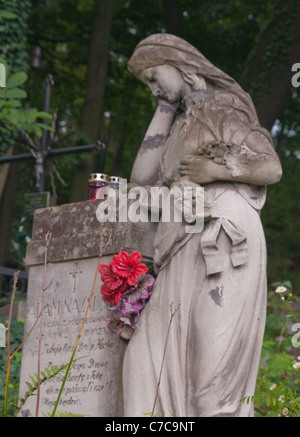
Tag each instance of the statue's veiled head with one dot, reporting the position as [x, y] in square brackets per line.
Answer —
[162, 49]
[165, 49]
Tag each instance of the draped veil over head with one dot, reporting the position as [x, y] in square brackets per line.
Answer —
[166, 49]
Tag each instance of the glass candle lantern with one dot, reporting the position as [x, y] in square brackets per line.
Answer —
[96, 181]
[114, 181]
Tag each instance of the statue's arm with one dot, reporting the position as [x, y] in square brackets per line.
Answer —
[146, 166]
[248, 157]
[255, 161]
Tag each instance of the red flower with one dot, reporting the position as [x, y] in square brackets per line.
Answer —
[113, 285]
[110, 296]
[129, 266]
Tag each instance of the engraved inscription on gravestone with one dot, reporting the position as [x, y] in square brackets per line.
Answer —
[92, 376]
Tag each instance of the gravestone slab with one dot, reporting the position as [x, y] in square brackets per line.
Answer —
[94, 384]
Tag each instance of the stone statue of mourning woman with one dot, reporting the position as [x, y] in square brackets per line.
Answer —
[205, 132]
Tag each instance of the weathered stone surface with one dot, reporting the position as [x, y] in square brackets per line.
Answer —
[76, 234]
[94, 385]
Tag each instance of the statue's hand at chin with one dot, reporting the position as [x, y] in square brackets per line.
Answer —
[167, 105]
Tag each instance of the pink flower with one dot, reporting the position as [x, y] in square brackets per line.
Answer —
[127, 311]
[120, 328]
[142, 291]
[129, 266]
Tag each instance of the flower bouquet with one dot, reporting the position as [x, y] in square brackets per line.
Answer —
[127, 287]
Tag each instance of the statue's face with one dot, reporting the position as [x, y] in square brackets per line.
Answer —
[166, 82]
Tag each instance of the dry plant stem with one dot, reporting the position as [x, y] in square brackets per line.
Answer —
[8, 341]
[294, 411]
[47, 242]
[83, 321]
[164, 354]
[29, 332]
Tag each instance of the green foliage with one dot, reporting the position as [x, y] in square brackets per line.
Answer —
[280, 215]
[12, 116]
[45, 375]
[13, 24]
[277, 389]
[16, 403]
[280, 401]
[277, 369]
[63, 414]
[7, 15]
[16, 337]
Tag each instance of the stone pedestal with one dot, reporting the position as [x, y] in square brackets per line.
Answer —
[94, 385]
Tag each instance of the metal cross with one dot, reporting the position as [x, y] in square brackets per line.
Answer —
[45, 151]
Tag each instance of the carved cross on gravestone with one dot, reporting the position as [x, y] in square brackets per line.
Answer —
[74, 273]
